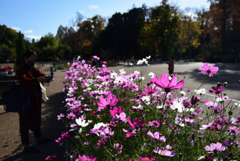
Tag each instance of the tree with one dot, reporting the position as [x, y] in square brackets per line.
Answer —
[224, 18]
[20, 49]
[64, 51]
[164, 20]
[122, 33]
[188, 34]
[5, 53]
[47, 40]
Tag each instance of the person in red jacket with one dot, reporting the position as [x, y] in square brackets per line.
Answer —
[29, 76]
[171, 65]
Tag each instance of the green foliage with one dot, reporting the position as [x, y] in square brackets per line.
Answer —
[6, 53]
[164, 27]
[49, 53]
[48, 41]
[64, 51]
[8, 36]
[20, 49]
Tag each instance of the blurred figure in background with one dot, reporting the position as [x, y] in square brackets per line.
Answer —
[171, 65]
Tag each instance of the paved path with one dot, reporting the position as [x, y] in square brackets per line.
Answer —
[10, 144]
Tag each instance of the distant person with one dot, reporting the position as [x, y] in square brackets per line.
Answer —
[30, 77]
[118, 59]
[132, 60]
[171, 65]
[124, 59]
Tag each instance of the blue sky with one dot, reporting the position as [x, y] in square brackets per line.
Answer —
[36, 18]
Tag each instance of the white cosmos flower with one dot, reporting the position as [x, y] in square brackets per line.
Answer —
[118, 80]
[151, 74]
[177, 105]
[219, 99]
[122, 71]
[200, 91]
[183, 93]
[159, 107]
[98, 125]
[104, 83]
[237, 104]
[83, 123]
[142, 78]
[179, 122]
[145, 99]
[113, 75]
[136, 72]
[131, 64]
[139, 106]
[148, 57]
[140, 62]
[90, 81]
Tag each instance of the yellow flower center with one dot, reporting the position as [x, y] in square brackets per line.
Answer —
[147, 158]
[163, 153]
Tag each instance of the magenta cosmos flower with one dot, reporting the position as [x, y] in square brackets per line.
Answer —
[95, 57]
[206, 69]
[215, 147]
[116, 110]
[50, 157]
[167, 85]
[136, 123]
[111, 101]
[86, 158]
[147, 158]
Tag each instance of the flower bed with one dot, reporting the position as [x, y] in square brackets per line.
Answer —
[110, 118]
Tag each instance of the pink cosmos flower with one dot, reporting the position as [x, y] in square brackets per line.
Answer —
[217, 90]
[50, 157]
[167, 85]
[166, 152]
[206, 69]
[111, 101]
[215, 147]
[59, 117]
[149, 91]
[95, 57]
[207, 126]
[71, 116]
[130, 133]
[156, 136]
[158, 123]
[148, 158]
[121, 117]
[100, 142]
[233, 130]
[106, 133]
[136, 123]
[116, 110]
[86, 158]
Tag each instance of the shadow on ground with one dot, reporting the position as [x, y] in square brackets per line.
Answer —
[222, 76]
[51, 128]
